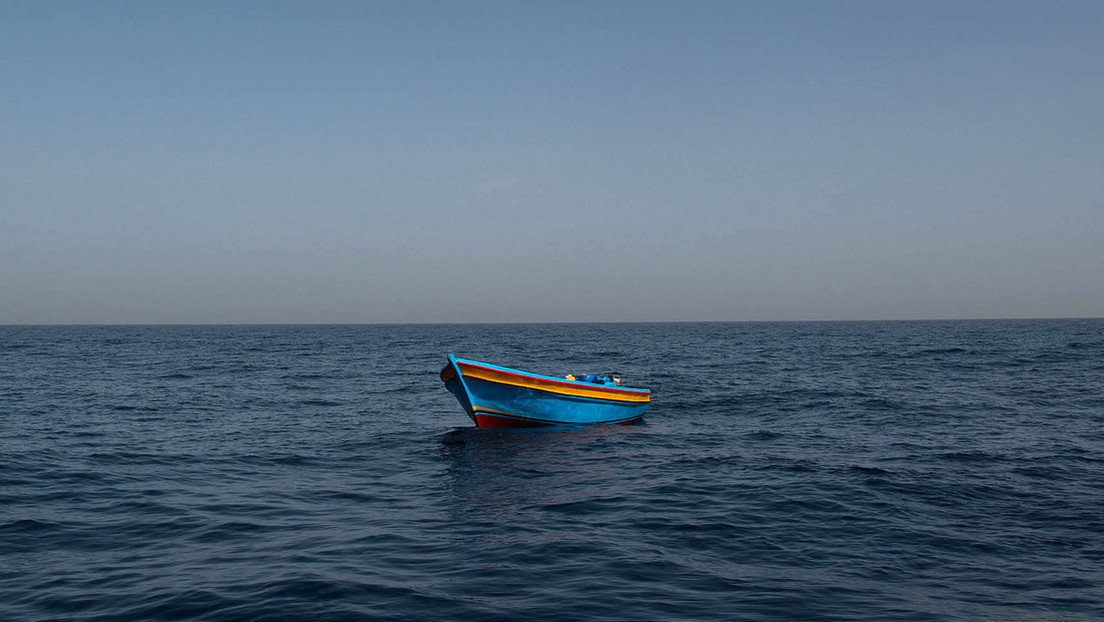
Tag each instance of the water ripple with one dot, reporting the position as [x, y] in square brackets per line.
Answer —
[819, 471]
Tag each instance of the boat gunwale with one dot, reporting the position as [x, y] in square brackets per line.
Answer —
[562, 382]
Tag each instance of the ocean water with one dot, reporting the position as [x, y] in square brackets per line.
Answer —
[795, 471]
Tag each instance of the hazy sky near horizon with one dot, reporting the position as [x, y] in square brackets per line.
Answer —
[257, 162]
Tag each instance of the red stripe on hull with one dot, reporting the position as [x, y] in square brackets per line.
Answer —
[483, 420]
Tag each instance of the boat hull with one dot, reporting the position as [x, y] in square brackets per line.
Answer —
[496, 397]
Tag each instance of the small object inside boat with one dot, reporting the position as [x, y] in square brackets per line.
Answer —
[609, 379]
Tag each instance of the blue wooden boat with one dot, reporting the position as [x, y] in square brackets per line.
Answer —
[500, 397]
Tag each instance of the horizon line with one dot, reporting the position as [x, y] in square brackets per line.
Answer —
[539, 323]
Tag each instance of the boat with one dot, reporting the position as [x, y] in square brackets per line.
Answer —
[500, 397]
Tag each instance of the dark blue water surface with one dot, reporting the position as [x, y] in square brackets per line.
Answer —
[809, 471]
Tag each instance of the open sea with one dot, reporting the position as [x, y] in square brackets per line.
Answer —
[784, 471]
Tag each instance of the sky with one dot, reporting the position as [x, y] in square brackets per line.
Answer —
[600, 161]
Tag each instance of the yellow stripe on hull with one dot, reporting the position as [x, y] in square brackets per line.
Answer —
[566, 388]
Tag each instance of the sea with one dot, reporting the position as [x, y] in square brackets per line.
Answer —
[945, 470]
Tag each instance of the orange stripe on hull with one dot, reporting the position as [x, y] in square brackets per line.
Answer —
[565, 387]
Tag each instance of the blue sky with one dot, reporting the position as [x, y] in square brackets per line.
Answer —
[557, 161]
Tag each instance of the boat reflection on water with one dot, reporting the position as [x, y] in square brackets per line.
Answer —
[516, 477]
